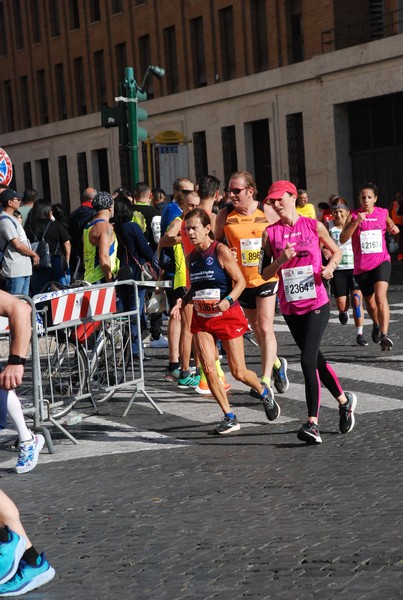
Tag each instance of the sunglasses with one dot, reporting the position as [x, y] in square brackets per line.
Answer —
[237, 191]
[186, 191]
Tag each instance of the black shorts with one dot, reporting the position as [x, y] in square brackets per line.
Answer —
[343, 283]
[248, 297]
[367, 280]
[174, 295]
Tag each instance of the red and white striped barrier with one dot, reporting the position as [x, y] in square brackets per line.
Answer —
[81, 304]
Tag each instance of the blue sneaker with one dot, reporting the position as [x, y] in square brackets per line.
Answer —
[271, 408]
[28, 578]
[10, 555]
[29, 453]
[281, 382]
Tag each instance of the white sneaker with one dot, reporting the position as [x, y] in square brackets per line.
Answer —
[29, 454]
[161, 343]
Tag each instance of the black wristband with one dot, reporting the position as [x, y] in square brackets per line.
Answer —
[14, 359]
[230, 300]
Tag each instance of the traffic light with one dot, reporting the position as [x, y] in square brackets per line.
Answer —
[142, 115]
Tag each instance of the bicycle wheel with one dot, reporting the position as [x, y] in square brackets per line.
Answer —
[113, 356]
[63, 374]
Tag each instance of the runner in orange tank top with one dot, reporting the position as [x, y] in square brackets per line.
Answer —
[243, 224]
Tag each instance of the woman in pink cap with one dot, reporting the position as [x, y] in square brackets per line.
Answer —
[293, 245]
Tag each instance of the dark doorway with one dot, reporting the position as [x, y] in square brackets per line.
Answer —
[376, 144]
[102, 156]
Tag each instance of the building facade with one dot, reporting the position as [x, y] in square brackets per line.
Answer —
[292, 89]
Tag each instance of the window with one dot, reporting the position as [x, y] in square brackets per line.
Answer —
[8, 105]
[95, 11]
[74, 13]
[82, 171]
[35, 21]
[99, 64]
[121, 60]
[25, 102]
[42, 98]
[200, 153]
[3, 39]
[64, 183]
[227, 40]
[296, 152]
[259, 35]
[297, 33]
[81, 102]
[54, 18]
[229, 155]
[19, 38]
[27, 176]
[172, 76]
[60, 92]
[116, 6]
[198, 55]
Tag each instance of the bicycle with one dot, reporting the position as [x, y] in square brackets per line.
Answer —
[86, 361]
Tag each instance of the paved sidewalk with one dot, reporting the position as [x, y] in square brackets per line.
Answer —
[177, 513]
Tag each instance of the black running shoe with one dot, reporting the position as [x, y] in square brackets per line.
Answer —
[376, 334]
[227, 425]
[361, 341]
[386, 343]
[343, 317]
[346, 413]
[309, 433]
[281, 382]
[271, 408]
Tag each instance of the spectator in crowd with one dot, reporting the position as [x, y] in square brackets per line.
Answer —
[41, 225]
[396, 214]
[78, 219]
[29, 197]
[303, 206]
[18, 256]
[159, 199]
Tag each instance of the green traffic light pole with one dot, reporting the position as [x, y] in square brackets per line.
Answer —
[132, 123]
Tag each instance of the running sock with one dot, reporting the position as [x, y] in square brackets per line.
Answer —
[265, 380]
[359, 330]
[16, 415]
[30, 556]
[173, 365]
[184, 374]
[4, 535]
[277, 363]
[230, 415]
[219, 370]
[198, 371]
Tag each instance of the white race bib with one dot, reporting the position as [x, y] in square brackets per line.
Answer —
[205, 303]
[371, 241]
[250, 252]
[299, 283]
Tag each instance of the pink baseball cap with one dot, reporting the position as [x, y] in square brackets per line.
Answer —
[279, 188]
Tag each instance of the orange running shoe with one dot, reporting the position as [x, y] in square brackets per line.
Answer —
[204, 390]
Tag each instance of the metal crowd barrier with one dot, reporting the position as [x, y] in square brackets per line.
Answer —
[82, 351]
[30, 403]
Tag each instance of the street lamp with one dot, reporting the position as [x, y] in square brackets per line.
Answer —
[136, 93]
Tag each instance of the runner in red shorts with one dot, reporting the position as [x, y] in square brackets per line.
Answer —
[216, 284]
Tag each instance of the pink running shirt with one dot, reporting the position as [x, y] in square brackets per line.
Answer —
[301, 288]
[369, 244]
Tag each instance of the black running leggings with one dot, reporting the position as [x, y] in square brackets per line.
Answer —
[307, 331]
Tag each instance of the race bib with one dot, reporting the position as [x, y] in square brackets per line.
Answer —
[205, 303]
[299, 283]
[347, 259]
[250, 252]
[371, 241]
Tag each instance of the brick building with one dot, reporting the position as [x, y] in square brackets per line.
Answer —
[311, 91]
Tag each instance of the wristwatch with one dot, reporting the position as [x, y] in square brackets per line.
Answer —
[230, 300]
[14, 359]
